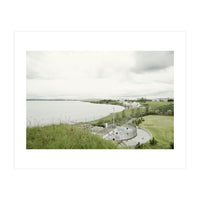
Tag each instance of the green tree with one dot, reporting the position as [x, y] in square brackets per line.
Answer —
[138, 121]
[123, 114]
[137, 112]
[147, 109]
[132, 112]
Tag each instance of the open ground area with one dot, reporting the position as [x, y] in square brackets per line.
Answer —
[162, 128]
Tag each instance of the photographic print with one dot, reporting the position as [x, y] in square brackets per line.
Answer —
[100, 100]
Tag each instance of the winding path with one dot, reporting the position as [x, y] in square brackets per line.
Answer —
[143, 136]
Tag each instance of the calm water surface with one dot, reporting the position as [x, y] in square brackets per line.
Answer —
[54, 112]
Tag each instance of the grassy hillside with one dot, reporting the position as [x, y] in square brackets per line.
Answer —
[162, 128]
[64, 136]
[120, 117]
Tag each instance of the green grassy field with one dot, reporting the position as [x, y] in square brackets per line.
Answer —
[162, 129]
[154, 105]
[64, 136]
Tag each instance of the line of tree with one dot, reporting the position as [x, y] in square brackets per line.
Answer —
[108, 101]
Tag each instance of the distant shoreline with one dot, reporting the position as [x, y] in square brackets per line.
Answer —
[52, 100]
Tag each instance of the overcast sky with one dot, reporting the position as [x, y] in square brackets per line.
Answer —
[62, 74]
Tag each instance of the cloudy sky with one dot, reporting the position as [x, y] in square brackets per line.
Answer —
[127, 74]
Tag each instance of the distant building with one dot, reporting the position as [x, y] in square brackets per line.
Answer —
[160, 99]
[131, 104]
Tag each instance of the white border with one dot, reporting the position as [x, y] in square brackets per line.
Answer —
[99, 41]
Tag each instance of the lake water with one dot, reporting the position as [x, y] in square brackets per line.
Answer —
[55, 112]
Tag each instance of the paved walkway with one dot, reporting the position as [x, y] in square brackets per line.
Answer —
[142, 137]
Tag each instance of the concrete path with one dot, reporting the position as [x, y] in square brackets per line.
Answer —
[142, 137]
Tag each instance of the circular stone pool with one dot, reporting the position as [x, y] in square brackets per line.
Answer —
[120, 133]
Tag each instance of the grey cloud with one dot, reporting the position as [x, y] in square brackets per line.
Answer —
[102, 74]
[165, 93]
[150, 61]
[31, 74]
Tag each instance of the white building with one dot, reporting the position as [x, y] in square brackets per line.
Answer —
[160, 99]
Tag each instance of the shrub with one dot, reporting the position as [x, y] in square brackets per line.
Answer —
[100, 123]
[172, 145]
[138, 121]
[169, 112]
[139, 146]
[153, 141]
[146, 110]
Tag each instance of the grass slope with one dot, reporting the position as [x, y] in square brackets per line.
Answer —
[64, 136]
[162, 128]
[120, 117]
[154, 104]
